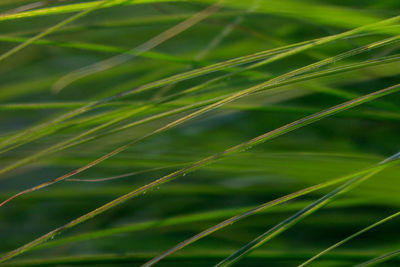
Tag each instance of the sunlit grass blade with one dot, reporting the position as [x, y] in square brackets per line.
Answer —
[289, 222]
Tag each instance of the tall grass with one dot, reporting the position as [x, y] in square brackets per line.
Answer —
[199, 133]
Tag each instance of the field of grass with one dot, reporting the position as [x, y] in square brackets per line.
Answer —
[199, 133]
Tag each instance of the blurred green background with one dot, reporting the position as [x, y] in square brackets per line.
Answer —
[153, 222]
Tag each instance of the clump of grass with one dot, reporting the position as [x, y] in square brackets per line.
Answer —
[116, 93]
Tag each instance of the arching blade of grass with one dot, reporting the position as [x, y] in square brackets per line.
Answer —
[52, 29]
[289, 222]
[208, 160]
[380, 259]
[137, 51]
[297, 48]
[264, 206]
[349, 238]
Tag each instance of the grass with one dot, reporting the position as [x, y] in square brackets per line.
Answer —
[199, 133]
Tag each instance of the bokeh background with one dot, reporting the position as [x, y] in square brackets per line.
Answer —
[141, 228]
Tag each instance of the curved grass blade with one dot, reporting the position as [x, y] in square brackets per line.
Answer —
[261, 207]
[208, 160]
[289, 222]
[349, 238]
